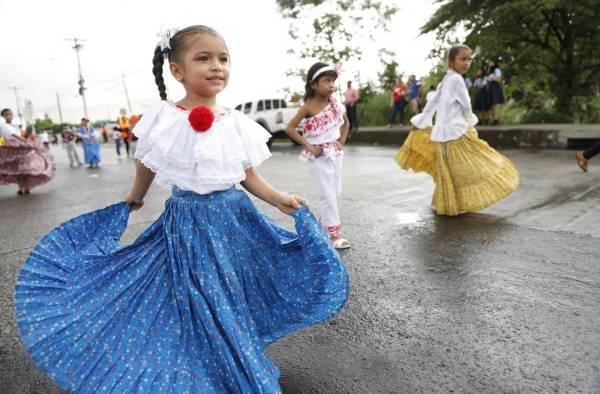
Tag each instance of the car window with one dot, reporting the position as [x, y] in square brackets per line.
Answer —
[260, 106]
[247, 108]
[283, 104]
[267, 104]
[276, 104]
[239, 107]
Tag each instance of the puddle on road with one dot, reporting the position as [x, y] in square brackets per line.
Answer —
[408, 218]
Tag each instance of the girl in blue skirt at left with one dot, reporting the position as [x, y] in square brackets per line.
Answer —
[192, 304]
[91, 149]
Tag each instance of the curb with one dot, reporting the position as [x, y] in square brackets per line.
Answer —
[531, 136]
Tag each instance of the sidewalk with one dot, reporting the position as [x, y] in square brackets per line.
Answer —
[542, 136]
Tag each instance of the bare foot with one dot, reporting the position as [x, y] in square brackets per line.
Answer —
[582, 161]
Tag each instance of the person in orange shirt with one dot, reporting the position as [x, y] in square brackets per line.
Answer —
[125, 128]
[132, 138]
[399, 91]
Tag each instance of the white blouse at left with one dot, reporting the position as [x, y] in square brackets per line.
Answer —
[201, 162]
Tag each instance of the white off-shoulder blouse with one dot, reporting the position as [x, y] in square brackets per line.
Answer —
[202, 162]
[451, 106]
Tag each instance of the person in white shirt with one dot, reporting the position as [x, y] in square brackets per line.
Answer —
[469, 174]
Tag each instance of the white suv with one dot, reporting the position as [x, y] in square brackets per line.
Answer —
[272, 114]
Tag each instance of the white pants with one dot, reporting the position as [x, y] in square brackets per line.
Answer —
[326, 174]
[72, 153]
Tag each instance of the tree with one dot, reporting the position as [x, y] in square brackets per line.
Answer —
[328, 29]
[542, 43]
[387, 78]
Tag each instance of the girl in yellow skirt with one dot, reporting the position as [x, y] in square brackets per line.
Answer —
[469, 175]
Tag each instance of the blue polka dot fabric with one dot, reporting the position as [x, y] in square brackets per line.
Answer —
[189, 307]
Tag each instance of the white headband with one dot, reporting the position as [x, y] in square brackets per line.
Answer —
[321, 71]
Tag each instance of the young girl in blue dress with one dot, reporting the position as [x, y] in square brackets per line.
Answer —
[191, 305]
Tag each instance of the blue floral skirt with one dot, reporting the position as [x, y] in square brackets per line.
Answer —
[189, 307]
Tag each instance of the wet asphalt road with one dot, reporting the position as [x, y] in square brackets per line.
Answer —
[503, 301]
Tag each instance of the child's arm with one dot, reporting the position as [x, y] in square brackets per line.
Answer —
[344, 131]
[291, 131]
[258, 186]
[141, 184]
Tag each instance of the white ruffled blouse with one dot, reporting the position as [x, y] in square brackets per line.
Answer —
[202, 162]
[451, 106]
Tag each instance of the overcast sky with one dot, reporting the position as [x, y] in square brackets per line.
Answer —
[121, 36]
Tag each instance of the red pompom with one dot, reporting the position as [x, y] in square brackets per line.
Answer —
[201, 118]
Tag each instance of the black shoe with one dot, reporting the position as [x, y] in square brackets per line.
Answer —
[26, 191]
[20, 193]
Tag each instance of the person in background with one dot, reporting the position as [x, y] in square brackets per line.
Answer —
[45, 139]
[91, 149]
[133, 119]
[125, 128]
[351, 96]
[104, 132]
[68, 142]
[584, 155]
[117, 139]
[481, 102]
[21, 160]
[468, 174]
[415, 90]
[398, 104]
[495, 93]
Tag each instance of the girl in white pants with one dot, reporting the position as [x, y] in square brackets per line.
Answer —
[325, 132]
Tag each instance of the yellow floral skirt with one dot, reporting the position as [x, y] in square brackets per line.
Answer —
[469, 175]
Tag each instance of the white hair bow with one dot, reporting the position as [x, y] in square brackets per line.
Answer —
[164, 40]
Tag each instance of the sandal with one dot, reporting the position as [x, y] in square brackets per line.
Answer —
[341, 243]
[582, 161]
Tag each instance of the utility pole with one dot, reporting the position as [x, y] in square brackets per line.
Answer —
[77, 46]
[59, 108]
[19, 114]
[126, 93]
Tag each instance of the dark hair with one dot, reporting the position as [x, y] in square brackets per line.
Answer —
[455, 50]
[177, 43]
[309, 92]
[5, 110]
